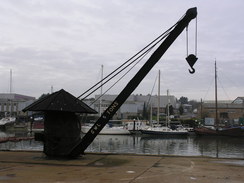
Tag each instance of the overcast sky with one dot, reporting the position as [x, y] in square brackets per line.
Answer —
[63, 44]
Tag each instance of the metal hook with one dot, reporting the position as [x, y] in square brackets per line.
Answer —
[191, 59]
[192, 71]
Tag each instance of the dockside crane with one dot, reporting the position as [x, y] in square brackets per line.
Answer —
[135, 81]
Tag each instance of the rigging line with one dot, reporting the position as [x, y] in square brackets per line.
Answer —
[166, 32]
[98, 78]
[117, 69]
[208, 89]
[140, 56]
[223, 88]
[121, 77]
[123, 65]
[233, 82]
[114, 75]
[152, 90]
[109, 79]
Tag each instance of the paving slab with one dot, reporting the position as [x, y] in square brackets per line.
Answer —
[21, 166]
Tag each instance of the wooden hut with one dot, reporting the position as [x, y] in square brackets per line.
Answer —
[61, 124]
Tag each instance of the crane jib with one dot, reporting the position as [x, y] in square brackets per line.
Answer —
[133, 83]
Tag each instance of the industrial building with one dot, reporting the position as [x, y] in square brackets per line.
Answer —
[134, 105]
[11, 104]
[228, 112]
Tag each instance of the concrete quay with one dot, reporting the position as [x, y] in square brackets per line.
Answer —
[28, 167]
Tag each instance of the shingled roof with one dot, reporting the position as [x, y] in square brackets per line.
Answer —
[60, 101]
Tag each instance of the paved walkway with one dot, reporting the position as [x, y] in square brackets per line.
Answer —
[18, 167]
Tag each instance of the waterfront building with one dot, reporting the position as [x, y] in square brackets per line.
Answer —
[229, 112]
[239, 100]
[11, 104]
[134, 105]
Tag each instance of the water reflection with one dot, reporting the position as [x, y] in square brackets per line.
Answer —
[190, 146]
[163, 145]
[222, 147]
[19, 145]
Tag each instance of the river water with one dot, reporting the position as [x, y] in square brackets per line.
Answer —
[211, 146]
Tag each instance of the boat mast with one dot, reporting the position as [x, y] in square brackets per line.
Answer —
[216, 99]
[151, 114]
[101, 92]
[10, 86]
[158, 97]
[10, 92]
[167, 119]
[51, 89]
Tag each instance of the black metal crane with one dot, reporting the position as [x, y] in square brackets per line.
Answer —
[135, 81]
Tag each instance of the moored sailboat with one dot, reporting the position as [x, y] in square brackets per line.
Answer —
[164, 130]
[216, 129]
[227, 131]
[113, 127]
[109, 129]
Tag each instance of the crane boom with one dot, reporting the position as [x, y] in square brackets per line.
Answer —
[133, 83]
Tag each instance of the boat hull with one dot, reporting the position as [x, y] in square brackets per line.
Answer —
[235, 132]
[108, 130]
[159, 133]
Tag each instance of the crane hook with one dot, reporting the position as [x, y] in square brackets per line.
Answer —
[192, 71]
[191, 59]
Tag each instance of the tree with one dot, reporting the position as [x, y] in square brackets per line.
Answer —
[181, 110]
[43, 95]
[183, 100]
[171, 110]
[194, 104]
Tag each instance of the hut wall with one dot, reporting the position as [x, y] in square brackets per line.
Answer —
[61, 132]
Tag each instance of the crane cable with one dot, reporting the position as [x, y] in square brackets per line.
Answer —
[119, 79]
[142, 56]
[139, 55]
[102, 82]
[113, 73]
[187, 39]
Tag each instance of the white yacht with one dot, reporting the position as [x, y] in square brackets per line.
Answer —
[107, 130]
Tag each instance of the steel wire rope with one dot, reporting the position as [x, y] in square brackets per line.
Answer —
[196, 35]
[142, 55]
[162, 36]
[115, 74]
[117, 69]
[121, 77]
[187, 39]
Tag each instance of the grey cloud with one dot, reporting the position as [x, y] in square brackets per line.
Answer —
[63, 43]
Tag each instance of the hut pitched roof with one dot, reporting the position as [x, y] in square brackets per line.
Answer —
[60, 101]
